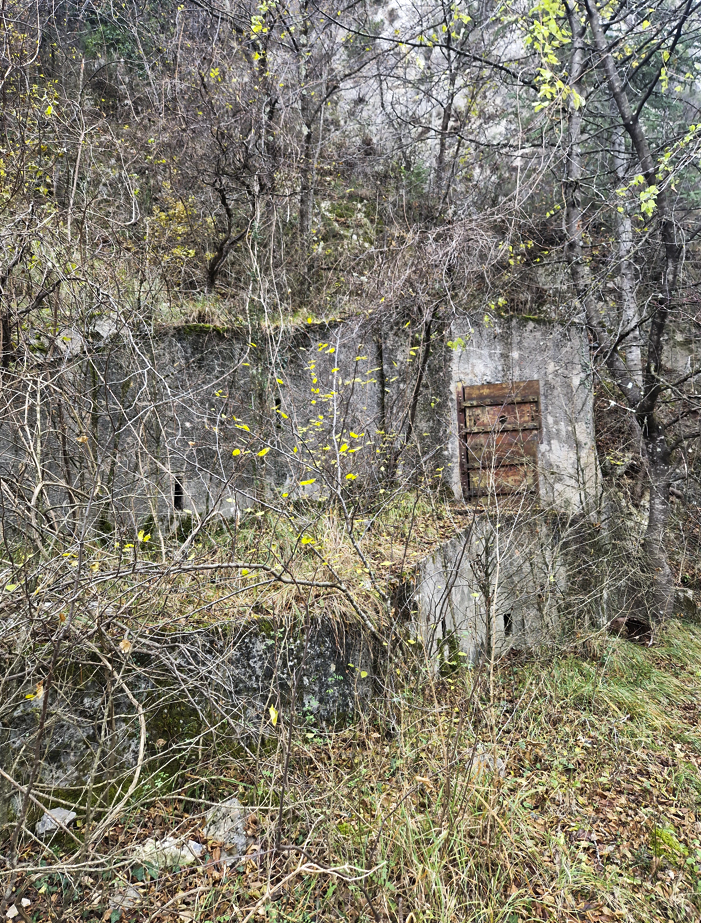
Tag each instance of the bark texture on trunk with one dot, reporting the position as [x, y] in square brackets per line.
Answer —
[630, 315]
[655, 555]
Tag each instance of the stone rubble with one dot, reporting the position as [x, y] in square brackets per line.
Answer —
[225, 823]
[53, 819]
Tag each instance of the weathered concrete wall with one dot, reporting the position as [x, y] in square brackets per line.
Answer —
[556, 356]
[495, 586]
[156, 419]
[179, 418]
[518, 579]
[301, 394]
[219, 681]
[359, 376]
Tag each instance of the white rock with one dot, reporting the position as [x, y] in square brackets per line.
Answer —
[53, 818]
[195, 848]
[225, 823]
[483, 763]
[168, 853]
[11, 912]
[126, 899]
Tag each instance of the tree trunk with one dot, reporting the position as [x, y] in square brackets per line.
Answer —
[5, 340]
[630, 315]
[644, 400]
[660, 473]
[306, 192]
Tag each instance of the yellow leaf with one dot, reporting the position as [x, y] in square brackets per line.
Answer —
[236, 452]
[351, 477]
[304, 483]
[363, 674]
[11, 586]
[263, 451]
[273, 715]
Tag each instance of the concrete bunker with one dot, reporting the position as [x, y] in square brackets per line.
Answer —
[499, 413]
[524, 465]
[513, 458]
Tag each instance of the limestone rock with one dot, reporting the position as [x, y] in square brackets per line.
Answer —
[483, 764]
[168, 853]
[225, 823]
[686, 605]
[126, 899]
[53, 819]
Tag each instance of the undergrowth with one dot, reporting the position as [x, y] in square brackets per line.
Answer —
[571, 791]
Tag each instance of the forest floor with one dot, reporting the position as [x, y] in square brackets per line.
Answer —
[593, 815]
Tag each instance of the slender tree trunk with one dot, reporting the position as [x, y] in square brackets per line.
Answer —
[630, 315]
[382, 382]
[660, 470]
[443, 176]
[5, 339]
[306, 192]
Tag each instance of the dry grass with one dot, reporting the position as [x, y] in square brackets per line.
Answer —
[597, 817]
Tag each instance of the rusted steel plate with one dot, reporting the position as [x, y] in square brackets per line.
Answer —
[491, 417]
[507, 479]
[509, 448]
[514, 392]
[498, 429]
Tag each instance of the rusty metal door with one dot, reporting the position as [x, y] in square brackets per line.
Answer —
[499, 430]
